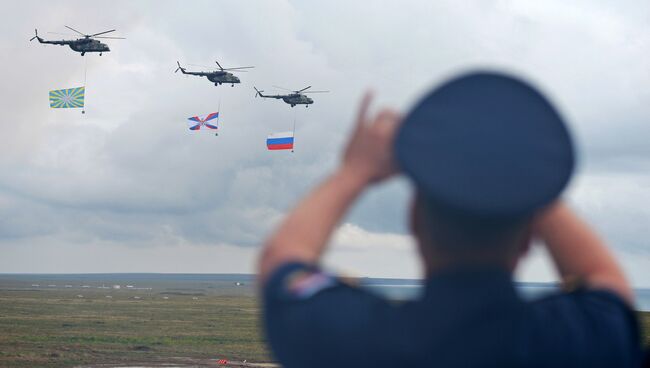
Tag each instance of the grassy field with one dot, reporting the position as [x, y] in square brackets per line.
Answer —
[57, 328]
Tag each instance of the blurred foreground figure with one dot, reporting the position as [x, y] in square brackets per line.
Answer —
[489, 157]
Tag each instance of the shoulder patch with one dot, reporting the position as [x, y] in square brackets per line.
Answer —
[304, 284]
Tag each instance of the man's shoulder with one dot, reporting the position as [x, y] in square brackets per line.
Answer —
[585, 325]
[581, 305]
[317, 319]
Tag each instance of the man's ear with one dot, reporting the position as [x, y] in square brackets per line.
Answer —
[523, 246]
[412, 215]
[419, 224]
[418, 220]
[525, 243]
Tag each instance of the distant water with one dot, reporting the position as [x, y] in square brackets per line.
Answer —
[411, 289]
[133, 277]
[402, 289]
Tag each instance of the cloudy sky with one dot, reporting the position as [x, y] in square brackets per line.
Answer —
[127, 188]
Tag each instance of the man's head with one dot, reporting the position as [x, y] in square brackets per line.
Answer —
[485, 151]
[448, 238]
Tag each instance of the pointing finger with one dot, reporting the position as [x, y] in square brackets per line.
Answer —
[363, 109]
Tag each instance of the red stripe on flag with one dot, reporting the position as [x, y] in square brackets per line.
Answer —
[274, 147]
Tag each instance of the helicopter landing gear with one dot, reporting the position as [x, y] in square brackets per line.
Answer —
[100, 54]
[306, 106]
[293, 105]
[232, 85]
[83, 53]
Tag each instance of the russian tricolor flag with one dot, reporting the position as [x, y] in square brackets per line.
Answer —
[280, 141]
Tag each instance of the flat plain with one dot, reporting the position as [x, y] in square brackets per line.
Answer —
[68, 322]
[63, 326]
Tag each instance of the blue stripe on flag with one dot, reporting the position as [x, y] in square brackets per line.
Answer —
[285, 140]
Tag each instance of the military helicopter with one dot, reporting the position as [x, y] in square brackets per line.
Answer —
[83, 45]
[218, 76]
[294, 98]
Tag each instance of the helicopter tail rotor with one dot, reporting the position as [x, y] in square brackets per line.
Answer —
[179, 67]
[258, 92]
[35, 35]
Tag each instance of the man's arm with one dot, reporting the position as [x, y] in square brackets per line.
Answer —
[305, 231]
[579, 253]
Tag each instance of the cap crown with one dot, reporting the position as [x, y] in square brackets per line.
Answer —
[486, 144]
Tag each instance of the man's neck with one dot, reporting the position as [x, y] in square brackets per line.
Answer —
[435, 262]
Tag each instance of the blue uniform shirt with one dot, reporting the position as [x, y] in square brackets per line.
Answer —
[464, 319]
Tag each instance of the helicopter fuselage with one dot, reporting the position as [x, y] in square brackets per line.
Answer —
[217, 77]
[297, 99]
[84, 45]
[292, 99]
[222, 77]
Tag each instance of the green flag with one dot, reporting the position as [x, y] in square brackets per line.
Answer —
[67, 98]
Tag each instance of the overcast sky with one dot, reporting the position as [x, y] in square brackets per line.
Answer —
[127, 188]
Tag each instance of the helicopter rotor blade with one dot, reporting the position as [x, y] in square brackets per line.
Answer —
[220, 67]
[306, 88]
[218, 70]
[101, 33]
[235, 70]
[111, 38]
[70, 28]
[61, 34]
[239, 67]
[316, 92]
[202, 66]
[286, 89]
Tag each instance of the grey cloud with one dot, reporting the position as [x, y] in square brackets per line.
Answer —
[129, 172]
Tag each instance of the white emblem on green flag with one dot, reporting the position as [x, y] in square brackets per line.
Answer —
[67, 98]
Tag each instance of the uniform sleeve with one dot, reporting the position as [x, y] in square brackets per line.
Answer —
[312, 319]
[586, 327]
